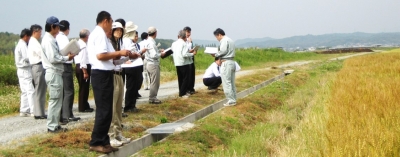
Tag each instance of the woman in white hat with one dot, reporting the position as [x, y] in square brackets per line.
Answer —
[116, 138]
[133, 68]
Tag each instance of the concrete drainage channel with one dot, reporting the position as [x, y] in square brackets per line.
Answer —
[163, 130]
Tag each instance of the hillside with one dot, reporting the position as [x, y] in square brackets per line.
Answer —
[8, 42]
[327, 40]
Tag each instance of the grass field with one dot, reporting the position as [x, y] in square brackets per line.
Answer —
[248, 59]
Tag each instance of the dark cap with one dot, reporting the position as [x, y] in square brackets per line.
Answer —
[53, 21]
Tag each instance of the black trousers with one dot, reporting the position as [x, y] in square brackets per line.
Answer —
[192, 76]
[103, 89]
[212, 83]
[84, 84]
[69, 92]
[134, 79]
[183, 78]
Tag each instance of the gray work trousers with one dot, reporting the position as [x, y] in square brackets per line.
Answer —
[68, 100]
[116, 123]
[39, 82]
[154, 75]
[55, 83]
[228, 69]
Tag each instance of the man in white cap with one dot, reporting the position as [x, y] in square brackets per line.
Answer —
[24, 73]
[153, 56]
[52, 61]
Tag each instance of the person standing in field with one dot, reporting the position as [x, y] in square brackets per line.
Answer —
[227, 54]
[52, 61]
[101, 58]
[35, 59]
[24, 73]
[182, 59]
[133, 72]
[68, 80]
[83, 71]
[142, 46]
[153, 56]
[117, 139]
[192, 68]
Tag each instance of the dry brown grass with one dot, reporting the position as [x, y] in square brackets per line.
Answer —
[363, 108]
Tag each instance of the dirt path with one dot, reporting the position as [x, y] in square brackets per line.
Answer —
[15, 128]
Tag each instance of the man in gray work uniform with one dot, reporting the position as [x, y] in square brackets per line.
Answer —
[226, 53]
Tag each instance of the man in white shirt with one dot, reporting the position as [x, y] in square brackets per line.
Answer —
[35, 59]
[82, 71]
[52, 61]
[102, 81]
[153, 56]
[192, 68]
[212, 76]
[142, 45]
[69, 92]
[24, 73]
[182, 59]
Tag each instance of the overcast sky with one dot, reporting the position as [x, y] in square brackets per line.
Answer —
[239, 18]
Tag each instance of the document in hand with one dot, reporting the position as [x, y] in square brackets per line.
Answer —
[211, 50]
[167, 52]
[72, 46]
[196, 48]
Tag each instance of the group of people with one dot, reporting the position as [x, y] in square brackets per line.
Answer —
[110, 58]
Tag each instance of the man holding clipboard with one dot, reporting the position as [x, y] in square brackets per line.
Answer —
[192, 68]
[226, 53]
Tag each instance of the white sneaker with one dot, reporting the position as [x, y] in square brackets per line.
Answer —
[185, 96]
[115, 143]
[123, 139]
[23, 114]
[229, 104]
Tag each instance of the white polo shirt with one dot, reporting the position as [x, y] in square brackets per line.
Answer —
[97, 44]
[62, 41]
[34, 51]
[21, 56]
[82, 57]
[212, 71]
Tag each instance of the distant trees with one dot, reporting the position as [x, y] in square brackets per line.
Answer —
[8, 42]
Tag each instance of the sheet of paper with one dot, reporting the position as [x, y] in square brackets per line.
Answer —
[72, 46]
[134, 63]
[211, 50]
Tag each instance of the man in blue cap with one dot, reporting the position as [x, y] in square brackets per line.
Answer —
[52, 61]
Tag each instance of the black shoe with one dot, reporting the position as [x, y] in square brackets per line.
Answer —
[41, 117]
[124, 115]
[88, 110]
[133, 110]
[64, 121]
[155, 101]
[74, 118]
[139, 96]
[57, 130]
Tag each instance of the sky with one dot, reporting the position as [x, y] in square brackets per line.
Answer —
[238, 18]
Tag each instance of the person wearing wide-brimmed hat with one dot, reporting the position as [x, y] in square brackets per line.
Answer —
[52, 61]
[133, 72]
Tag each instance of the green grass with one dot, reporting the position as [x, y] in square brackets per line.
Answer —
[256, 125]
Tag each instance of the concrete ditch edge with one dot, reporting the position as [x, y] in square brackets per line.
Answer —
[147, 140]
